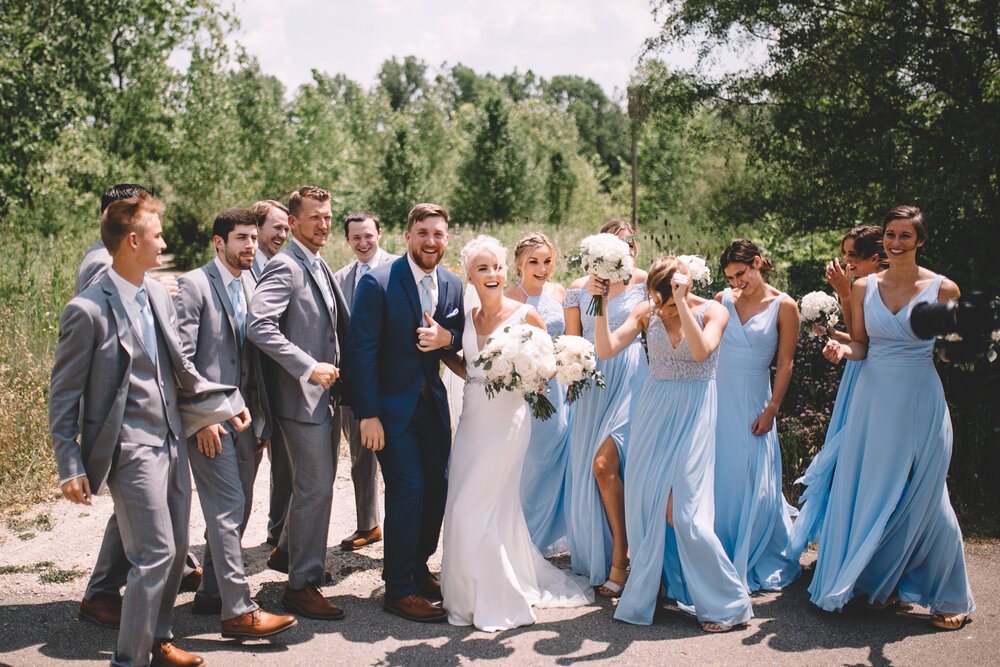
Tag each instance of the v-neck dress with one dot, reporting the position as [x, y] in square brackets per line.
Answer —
[672, 450]
[752, 519]
[890, 525]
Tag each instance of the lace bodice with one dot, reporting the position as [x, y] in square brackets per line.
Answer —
[617, 309]
[890, 338]
[550, 310]
[666, 363]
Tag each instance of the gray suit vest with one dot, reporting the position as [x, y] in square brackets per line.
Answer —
[152, 394]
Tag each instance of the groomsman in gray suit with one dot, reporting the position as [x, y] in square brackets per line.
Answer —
[362, 231]
[122, 397]
[102, 601]
[298, 318]
[211, 323]
[272, 231]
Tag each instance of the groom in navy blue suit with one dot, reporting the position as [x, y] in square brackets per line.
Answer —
[406, 316]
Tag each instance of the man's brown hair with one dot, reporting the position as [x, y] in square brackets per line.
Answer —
[421, 211]
[124, 217]
[305, 192]
[263, 207]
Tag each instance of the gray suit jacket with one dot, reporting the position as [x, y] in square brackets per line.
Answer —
[91, 374]
[96, 262]
[291, 325]
[206, 325]
[347, 277]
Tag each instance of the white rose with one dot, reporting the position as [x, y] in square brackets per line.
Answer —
[501, 368]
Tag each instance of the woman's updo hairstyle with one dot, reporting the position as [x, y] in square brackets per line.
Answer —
[659, 276]
[616, 226]
[526, 245]
[743, 251]
[867, 241]
[478, 245]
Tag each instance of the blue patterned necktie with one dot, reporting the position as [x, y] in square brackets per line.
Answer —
[148, 326]
[426, 305]
[241, 317]
[324, 284]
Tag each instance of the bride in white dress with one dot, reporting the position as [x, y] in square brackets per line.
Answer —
[491, 573]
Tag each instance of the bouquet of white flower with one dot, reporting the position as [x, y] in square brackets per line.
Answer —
[698, 269]
[607, 257]
[521, 359]
[576, 365]
[819, 308]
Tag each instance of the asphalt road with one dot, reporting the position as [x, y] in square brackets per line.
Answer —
[39, 624]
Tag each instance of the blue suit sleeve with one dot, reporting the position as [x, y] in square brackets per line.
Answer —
[364, 332]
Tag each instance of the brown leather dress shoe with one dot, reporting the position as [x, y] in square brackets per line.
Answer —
[192, 581]
[429, 587]
[104, 610]
[257, 623]
[278, 560]
[166, 654]
[415, 608]
[309, 602]
[360, 538]
[206, 606]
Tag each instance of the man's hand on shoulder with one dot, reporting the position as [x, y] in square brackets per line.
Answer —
[325, 374]
[433, 336]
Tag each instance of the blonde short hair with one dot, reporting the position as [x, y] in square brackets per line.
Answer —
[482, 243]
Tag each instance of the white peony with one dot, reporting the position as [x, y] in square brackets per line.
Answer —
[698, 269]
[819, 308]
[520, 359]
[576, 364]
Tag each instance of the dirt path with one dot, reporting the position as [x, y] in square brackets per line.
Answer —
[38, 606]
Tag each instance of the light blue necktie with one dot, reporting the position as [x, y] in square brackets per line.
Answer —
[241, 317]
[425, 296]
[324, 284]
[148, 326]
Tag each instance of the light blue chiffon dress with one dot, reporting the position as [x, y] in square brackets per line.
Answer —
[889, 523]
[597, 415]
[819, 474]
[752, 518]
[545, 477]
[672, 448]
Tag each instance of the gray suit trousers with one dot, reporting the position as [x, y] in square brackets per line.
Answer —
[225, 489]
[312, 452]
[151, 488]
[364, 472]
[281, 486]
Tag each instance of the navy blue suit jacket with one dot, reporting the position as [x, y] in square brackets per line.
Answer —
[386, 369]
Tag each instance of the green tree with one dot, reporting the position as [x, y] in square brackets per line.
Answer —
[400, 177]
[403, 82]
[493, 176]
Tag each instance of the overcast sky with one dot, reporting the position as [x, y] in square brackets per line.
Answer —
[597, 39]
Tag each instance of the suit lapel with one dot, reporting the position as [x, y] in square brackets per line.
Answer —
[405, 276]
[349, 280]
[123, 323]
[306, 264]
[215, 280]
[440, 311]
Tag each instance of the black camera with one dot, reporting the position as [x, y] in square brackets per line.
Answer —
[973, 318]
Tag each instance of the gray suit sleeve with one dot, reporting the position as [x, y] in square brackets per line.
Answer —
[188, 304]
[70, 374]
[270, 300]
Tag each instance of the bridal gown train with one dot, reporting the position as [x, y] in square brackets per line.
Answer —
[491, 573]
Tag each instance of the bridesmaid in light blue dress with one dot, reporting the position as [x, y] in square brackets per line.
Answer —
[752, 519]
[545, 477]
[862, 254]
[890, 531]
[669, 469]
[599, 433]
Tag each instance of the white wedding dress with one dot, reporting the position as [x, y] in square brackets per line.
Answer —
[491, 573]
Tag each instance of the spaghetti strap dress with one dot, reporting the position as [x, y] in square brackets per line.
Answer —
[672, 449]
[890, 526]
[752, 518]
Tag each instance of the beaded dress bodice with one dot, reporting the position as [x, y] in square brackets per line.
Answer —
[617, 309]
[667, 363]
[550, 310]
